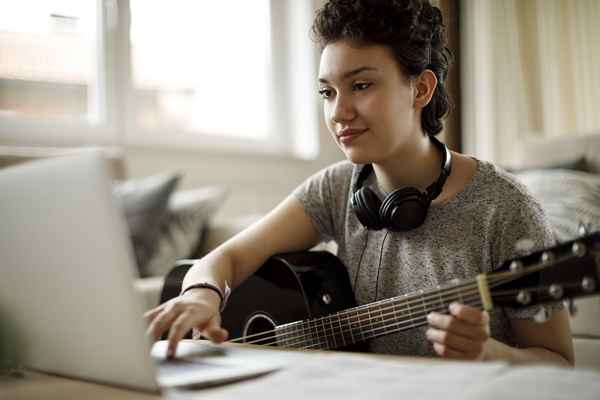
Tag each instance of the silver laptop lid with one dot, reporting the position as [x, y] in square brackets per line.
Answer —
[67, 302]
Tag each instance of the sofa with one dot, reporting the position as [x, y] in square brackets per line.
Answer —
[564, 175]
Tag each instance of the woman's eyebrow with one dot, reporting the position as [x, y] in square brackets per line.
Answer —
[351, 73]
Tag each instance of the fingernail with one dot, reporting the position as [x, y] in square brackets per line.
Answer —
[453, 307]
[430, 317]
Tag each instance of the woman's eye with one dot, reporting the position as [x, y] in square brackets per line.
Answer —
[325, 93]
[361, 85]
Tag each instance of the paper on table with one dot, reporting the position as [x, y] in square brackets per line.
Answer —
[350, 376]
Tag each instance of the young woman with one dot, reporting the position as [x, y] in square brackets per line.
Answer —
[405, 213]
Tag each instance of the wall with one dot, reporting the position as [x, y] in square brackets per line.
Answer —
[255, 183]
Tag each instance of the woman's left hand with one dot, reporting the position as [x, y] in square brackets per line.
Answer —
[463, 334]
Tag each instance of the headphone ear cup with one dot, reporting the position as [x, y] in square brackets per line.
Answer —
[365, 204]
[404, 209]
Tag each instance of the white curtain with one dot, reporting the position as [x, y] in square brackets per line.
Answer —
[528, 68]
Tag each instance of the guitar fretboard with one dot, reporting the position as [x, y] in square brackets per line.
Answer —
[376, 319]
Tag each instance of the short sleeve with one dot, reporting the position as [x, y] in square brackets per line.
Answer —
[324, 196]
[525, 229]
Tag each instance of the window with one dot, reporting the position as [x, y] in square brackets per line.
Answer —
[204, 74]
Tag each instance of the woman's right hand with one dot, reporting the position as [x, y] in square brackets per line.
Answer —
[197, 309]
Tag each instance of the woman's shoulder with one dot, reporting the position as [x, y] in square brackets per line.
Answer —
[499, 184]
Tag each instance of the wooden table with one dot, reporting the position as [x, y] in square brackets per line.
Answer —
[37, 386]
[40, 386]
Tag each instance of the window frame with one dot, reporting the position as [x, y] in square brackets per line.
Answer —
[292, 136]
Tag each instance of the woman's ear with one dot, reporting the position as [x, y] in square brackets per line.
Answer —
[425, 85]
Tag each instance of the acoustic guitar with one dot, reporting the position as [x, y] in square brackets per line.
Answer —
[305, 300]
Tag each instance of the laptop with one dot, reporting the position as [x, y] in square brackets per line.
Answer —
[67, 303]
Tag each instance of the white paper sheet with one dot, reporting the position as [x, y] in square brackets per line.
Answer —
[346, 376]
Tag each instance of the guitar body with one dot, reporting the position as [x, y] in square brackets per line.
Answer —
[305, 299]
[288, 287]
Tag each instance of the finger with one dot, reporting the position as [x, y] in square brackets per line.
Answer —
[447, 352]
[458, 326]
[162, 322]
[469, 314]
[455, 342]
[151, 314]
[178, 329]
[213, 330]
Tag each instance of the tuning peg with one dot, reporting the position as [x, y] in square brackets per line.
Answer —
[515, 266]
[583, 229]
[588, 284]
[555, 291]
[547, 257]
[578, 249]
[524, 297]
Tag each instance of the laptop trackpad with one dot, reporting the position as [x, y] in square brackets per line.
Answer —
[201, 363]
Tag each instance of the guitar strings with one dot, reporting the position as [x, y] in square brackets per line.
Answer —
[406, 306]
[327, 323]
[494, 279]
[376, 330]
[374, 322]
[354, 315]
[406, 301]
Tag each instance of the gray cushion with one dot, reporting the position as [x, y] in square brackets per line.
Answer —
[569, 198]
[577, 164]
[144, 204]
[183, 230]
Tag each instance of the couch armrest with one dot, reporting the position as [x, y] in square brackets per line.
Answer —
[149, 290]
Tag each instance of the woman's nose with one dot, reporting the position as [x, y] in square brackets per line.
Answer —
[343, 109]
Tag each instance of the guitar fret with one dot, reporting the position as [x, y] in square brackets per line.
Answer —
[439, 289]
[324, 333]
[421, 293]
[359, 322]
[341, 330]
[381, 317]
[305, 337]
[350, 325]
[410, 315]
[332, 332]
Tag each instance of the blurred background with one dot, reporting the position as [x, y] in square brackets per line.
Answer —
[225, 92]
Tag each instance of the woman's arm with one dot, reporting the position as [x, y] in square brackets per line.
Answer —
[546, 341]
[286, 228]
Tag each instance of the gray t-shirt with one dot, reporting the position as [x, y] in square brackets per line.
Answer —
[473, 232]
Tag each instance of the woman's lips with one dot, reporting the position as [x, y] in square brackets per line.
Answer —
[348, 135]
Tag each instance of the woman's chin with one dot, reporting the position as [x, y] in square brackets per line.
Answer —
[356, 157]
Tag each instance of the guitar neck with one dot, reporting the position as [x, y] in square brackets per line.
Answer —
[376, 319]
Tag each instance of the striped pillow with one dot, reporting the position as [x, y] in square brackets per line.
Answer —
[569, 198]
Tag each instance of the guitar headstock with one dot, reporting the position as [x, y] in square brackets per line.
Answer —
[568, 270]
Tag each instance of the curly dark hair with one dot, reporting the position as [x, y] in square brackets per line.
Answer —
[412, 29]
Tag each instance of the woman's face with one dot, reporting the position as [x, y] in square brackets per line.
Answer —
[368, 102]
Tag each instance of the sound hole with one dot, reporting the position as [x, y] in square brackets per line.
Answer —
[260, 329]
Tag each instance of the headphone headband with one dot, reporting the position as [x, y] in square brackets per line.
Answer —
[403, 209]
[433, 190]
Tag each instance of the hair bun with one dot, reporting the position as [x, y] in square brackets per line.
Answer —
[430, 24]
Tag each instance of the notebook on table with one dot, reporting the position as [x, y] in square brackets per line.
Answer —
[67, 303]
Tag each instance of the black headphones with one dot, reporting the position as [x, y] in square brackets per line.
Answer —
[403, 209]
